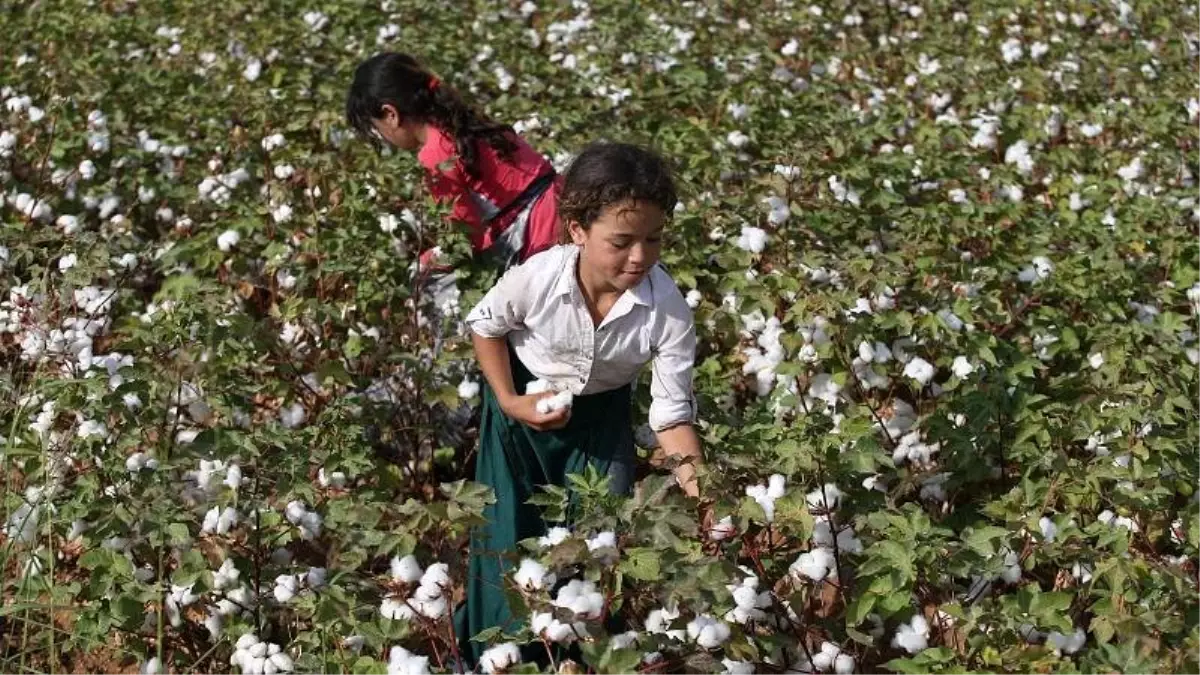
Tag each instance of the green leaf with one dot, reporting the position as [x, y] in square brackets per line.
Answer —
[642, 564]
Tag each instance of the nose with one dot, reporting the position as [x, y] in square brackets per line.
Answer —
[637, 255]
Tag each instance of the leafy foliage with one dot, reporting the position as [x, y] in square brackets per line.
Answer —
[943, 260]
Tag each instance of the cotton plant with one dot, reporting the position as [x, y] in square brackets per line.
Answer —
[749, 602]
[429, 598]
[255, 657]
[765, 495]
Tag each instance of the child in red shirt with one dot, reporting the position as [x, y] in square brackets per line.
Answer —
[501, 187]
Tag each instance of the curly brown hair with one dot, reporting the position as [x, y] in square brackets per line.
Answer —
[605, 174]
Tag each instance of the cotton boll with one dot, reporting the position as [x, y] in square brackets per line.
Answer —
[1067, 644]
[560, 401]
[403, 662]
[846, 540]
[293, 415]
[603, 540]
[1018, 155]
[693, 298]
[281, 661]
[331, 479]
[554, 536]
[286, 587]
[913, 636]
[961, 367]
[273, 142]
[582, 598]
[776, 485]
[310, 526]
[294, 511]
[436, 576]
[752, 239]
[209, 525]
[252, 70]
[825, 498]
[227, 240]
[815, 564]
[226, 576]
[778, 210]
[920, 370]
[468, 389]
[545, 625]
[406, 569]
[658, 621]
[824, 659]
[723, 529]
[396, 610]
[1096, 360]
[500, 658]
[708, 632]
[1012, 568]
[739, 667]
[1048, 528]
[315, 577]
[843, 664]
[532, 575]
[282, 213]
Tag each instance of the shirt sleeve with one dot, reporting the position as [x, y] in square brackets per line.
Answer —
[450, 186]
[504, 308]
[673, 401]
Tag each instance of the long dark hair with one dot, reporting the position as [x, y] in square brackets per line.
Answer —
[400, 81]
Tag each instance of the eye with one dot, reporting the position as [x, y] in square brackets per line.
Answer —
[620, 244]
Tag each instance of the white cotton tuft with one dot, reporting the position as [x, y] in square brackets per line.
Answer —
[468, 389]
[920, 370]
[814, 565]
[554, 536]
[1067, 644]
[403, 662]
[500, 658]
[752, 239]
[532, 575]
[560, 401]
[406, 569]
[227, 240]
[824, 498]
[708, 631]
[913, 636]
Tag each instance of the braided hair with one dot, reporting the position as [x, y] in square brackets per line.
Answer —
[400, 81]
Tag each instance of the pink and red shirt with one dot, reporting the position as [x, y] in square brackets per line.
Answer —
[475, 200]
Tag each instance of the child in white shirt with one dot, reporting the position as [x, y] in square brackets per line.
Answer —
[580, 319]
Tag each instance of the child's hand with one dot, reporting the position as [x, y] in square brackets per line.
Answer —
[524, 410]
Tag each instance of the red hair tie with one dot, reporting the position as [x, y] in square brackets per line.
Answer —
[434, 83]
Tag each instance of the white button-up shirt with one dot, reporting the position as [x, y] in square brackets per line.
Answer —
[541, 310]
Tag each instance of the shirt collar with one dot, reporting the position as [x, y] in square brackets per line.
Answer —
[642, 294]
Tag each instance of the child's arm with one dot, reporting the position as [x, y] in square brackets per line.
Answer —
[681, 441]
[499, 313]
[673, 411]
[492, 354]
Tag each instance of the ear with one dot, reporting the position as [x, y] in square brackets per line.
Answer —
[389, 115]
[578, 234]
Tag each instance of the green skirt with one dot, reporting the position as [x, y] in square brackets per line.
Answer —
[514, 460]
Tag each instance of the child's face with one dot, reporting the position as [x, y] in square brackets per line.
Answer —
[391, 129]
[621, 246]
